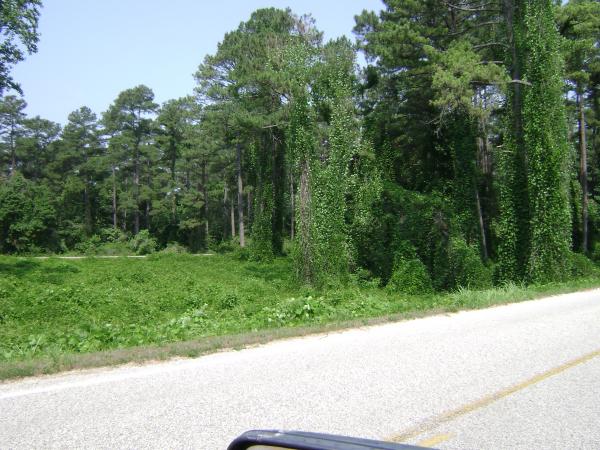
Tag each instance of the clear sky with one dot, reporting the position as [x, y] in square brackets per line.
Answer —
[90, 50]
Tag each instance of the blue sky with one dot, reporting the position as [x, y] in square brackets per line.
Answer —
[90, 50]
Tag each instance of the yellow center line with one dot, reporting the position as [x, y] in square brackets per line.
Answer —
[435, 422]
[435, 440]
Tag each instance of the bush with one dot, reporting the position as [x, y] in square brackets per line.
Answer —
[27, 217]
[225, 247]
[108, 235]
[582, 267]
[174, 248]
[89, 246]
[142, 243]
[113, 249]
[595, 253]
[465, 268]
[243, 254]
[228, 301]
[409, 275]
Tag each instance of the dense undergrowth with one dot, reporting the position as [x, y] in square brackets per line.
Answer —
[55, 307]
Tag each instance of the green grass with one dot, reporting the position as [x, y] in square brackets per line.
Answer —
[61, 314]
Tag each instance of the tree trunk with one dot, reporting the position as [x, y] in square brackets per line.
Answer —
[225, 211]
[484, 246]
[249, 203]
[583, 172]
[293, 206]
[13, 151]
[232, 217]
[124, 225]
[87, 207]
[114, 197]
[205, 197]
[305, 222]
[278, 181]
[240, 195]
[136, 190]
[148, 202]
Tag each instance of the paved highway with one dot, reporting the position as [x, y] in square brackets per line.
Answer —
[525, 376]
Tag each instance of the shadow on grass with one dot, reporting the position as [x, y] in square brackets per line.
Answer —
[270, 272]
[19, 268]
[46, 271]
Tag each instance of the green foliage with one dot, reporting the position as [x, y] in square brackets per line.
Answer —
[535, 215]
[410, 275]
[439, 146]
[143, 243]
[261, 247]
[323, 248]
[465, 268]
[18, 29]
[405, 216]
[98, 304]
[174, 248]
[582, 267]
[27, 217]
[545, 137]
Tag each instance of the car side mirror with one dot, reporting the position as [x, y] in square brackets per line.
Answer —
[299, 440]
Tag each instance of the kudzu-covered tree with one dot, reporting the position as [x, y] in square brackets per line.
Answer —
[535, 214]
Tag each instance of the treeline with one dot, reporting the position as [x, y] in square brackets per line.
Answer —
[464, 153]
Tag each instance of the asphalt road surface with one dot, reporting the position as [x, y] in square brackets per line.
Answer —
[525, 376]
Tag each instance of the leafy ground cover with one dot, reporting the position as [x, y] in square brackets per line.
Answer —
[55, 310]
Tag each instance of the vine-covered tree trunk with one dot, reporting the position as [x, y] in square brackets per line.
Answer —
[240, 195]
[583, 172]
[513, 226]
[292, 206]
[484, 245]
[305, 266]
[263, 224]
[278, 189]
[545, 133]
[232, 216]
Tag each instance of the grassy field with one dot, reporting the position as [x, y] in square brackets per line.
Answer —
[59, 314]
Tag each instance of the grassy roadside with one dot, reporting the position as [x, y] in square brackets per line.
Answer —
[58, 315]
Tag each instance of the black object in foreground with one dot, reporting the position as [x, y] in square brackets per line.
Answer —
[300, 440]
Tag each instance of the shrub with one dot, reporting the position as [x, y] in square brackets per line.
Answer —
[225, 247]
[113, 249]
[581, 266]
[465, 268]
[142, 243]
[595, 254]
[89, 246]
[174, 248]
[27, 216]
[228, 301]
[409, 275]
[243, 254]
[108, 235]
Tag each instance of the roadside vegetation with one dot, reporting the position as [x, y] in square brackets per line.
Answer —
[58, 314]
[457, 169]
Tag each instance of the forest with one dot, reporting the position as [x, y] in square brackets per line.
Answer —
[464, 153]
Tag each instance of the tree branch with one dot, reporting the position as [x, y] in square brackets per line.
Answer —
[490, 44]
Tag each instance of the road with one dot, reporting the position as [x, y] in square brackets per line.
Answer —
[524, 375]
